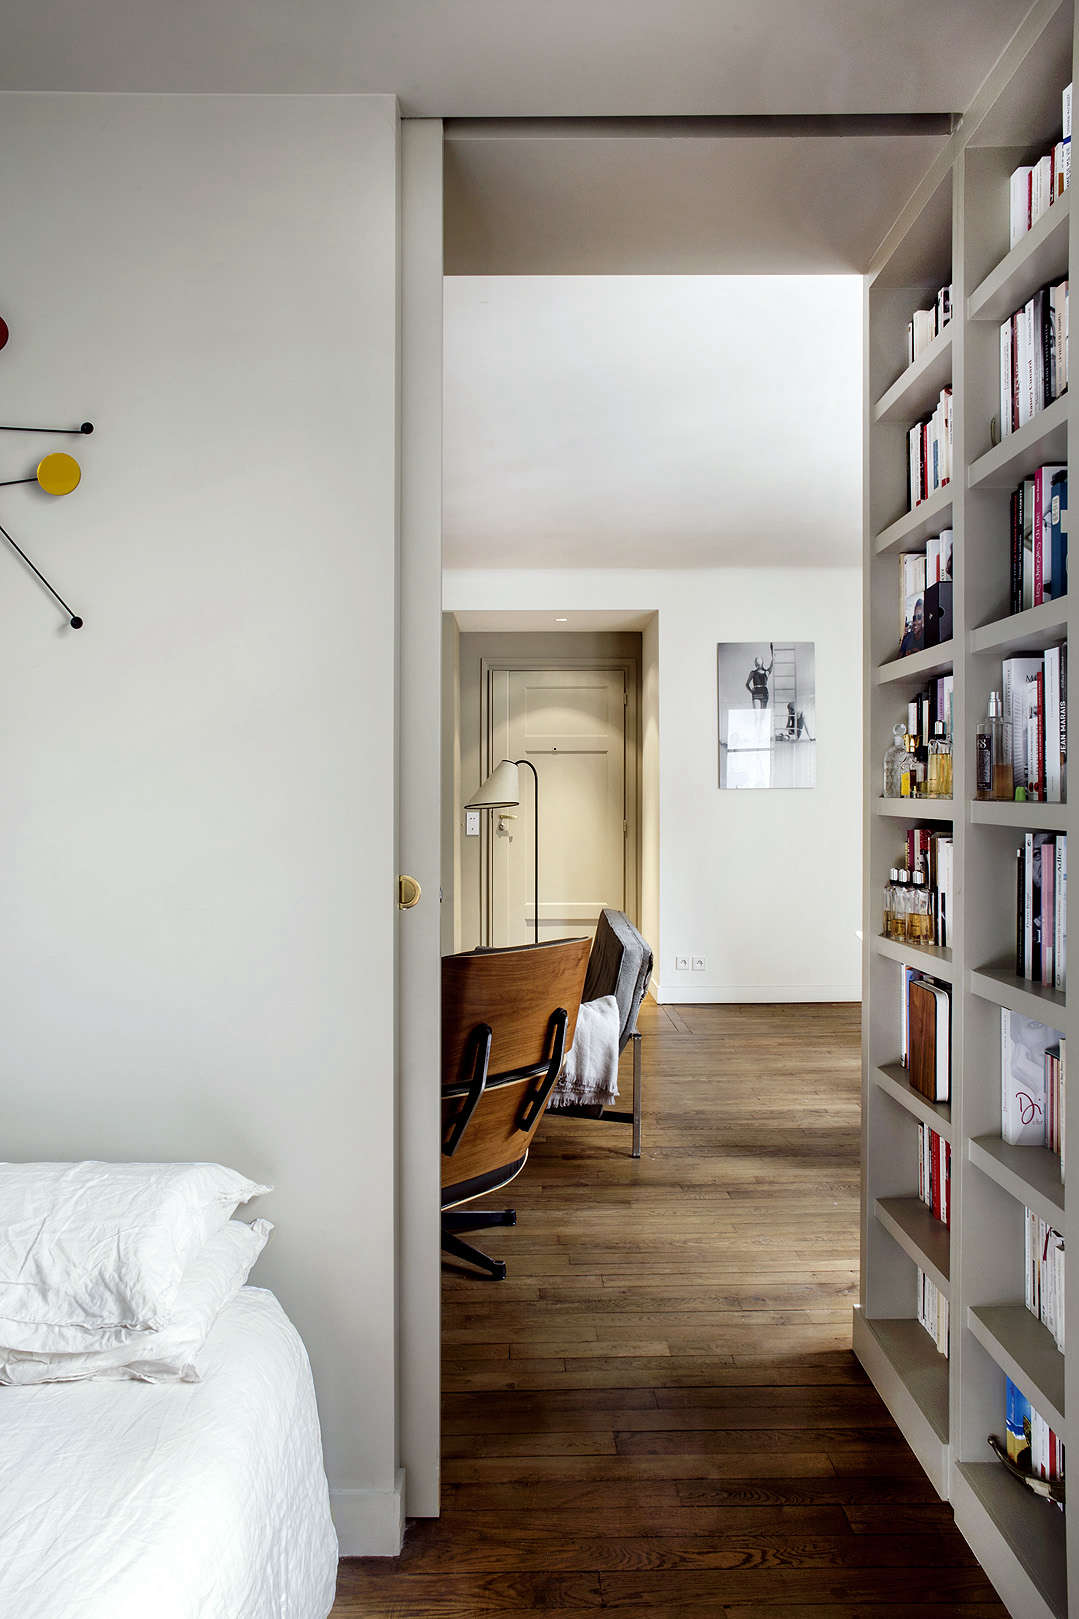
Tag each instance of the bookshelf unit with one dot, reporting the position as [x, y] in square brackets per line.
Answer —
[956, 228]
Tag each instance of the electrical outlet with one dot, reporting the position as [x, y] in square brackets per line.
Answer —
[472, 823]
[698, 964]
[681, 964]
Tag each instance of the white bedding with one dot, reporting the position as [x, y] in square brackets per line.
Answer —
[182, 1501]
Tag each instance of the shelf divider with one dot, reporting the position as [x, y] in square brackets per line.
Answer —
[1029, 1174]
[923, 1237]
[894, 1080]
[997, 981]
[1024, 1350]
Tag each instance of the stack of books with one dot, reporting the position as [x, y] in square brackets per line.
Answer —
[925, 594]
[1041, 905]
[1033, 357]
[1032, 1444]
[1035, 688]
[1036, 186]
[1039, 538]
[935, 1173]
[928, 324]
[1032, 1084]
[925, 1037]
[1045, 1275]
[933, 1312]
[929, 451]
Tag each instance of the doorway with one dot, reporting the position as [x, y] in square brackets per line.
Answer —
[571, 725]
[568, 703]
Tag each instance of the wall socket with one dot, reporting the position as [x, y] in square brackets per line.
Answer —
[681, 964]
[698, 964]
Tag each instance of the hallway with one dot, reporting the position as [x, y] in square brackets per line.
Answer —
[658, 1411]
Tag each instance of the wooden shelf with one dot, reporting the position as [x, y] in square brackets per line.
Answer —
[1024, 1350]
[894, 1080]
[915, 809]
[1029, 1174]
[912, 1379]
[998, 982]
[1045, 438]
[920, 666]
[914, 528]
[1018, 1539]
[915, 393]
[923, 1237]
[928, 958]
[1040, 256]
[1024, 817]
[1029, 631]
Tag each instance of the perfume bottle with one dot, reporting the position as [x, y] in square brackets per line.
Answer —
[919, 911]
[888, 910]
[894, 758]
[940, 763]
[900, 905]
[993, 770]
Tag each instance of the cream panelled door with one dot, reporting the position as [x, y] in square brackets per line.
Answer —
[570, 724]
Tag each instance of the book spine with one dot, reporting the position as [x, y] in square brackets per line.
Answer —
[1039, 563]
[1049, 870]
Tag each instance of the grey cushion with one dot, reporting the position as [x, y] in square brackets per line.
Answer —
[620, 965]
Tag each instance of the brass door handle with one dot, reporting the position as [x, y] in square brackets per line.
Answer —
[408, 893]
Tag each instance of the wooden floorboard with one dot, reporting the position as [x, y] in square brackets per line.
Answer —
[658, 1411]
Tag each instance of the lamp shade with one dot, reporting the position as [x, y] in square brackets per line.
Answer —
[501, 789]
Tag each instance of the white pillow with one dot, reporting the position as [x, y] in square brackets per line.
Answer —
[212, 1280]
[95, 1245]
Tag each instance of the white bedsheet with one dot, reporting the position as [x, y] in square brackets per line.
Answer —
[182, 1501]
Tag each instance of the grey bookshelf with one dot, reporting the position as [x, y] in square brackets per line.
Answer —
[955, 228]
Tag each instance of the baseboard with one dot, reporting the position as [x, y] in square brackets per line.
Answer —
[740, 994]
[370, 1523]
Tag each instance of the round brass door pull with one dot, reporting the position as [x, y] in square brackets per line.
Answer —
[408, 893]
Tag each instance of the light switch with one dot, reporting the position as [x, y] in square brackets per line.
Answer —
[472, 823]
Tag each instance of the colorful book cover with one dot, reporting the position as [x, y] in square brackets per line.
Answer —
[1017, 1421]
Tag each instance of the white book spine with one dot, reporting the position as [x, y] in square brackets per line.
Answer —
[1005, 379]
[1052, 723]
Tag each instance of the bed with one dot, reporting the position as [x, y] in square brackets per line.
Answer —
[208, 1500]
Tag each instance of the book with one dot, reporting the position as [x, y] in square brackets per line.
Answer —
[1058, 533]
[1019, 203]
[1017, 1425]
[930, 1040]
[1017, 675]
[1060, 920]
[1042, 534]
[1023, 1045]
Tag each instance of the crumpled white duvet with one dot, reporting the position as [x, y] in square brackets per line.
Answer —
[199, 1500]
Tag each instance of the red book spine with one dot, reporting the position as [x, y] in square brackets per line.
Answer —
[934, 1172]
[1041, 723]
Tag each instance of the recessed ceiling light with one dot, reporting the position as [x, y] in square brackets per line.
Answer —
[561, 620]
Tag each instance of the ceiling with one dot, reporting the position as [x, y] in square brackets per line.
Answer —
[652, 421]
[525, 58]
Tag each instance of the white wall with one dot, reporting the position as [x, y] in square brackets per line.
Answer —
[765, 885]
[197, 802]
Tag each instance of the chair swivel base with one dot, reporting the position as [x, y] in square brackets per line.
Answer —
[479, 1220]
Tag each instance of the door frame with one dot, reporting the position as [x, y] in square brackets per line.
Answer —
[631, 671]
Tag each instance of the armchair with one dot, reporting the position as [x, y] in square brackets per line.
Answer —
[508, 1017]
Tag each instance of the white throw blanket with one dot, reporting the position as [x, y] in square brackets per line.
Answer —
[589, 1076]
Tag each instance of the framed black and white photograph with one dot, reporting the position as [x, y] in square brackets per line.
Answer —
[767, 714]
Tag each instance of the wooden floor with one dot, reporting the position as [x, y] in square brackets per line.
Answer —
[658, 1411]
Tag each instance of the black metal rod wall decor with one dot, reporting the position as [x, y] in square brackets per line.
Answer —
[86, 427]
[73, 618]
